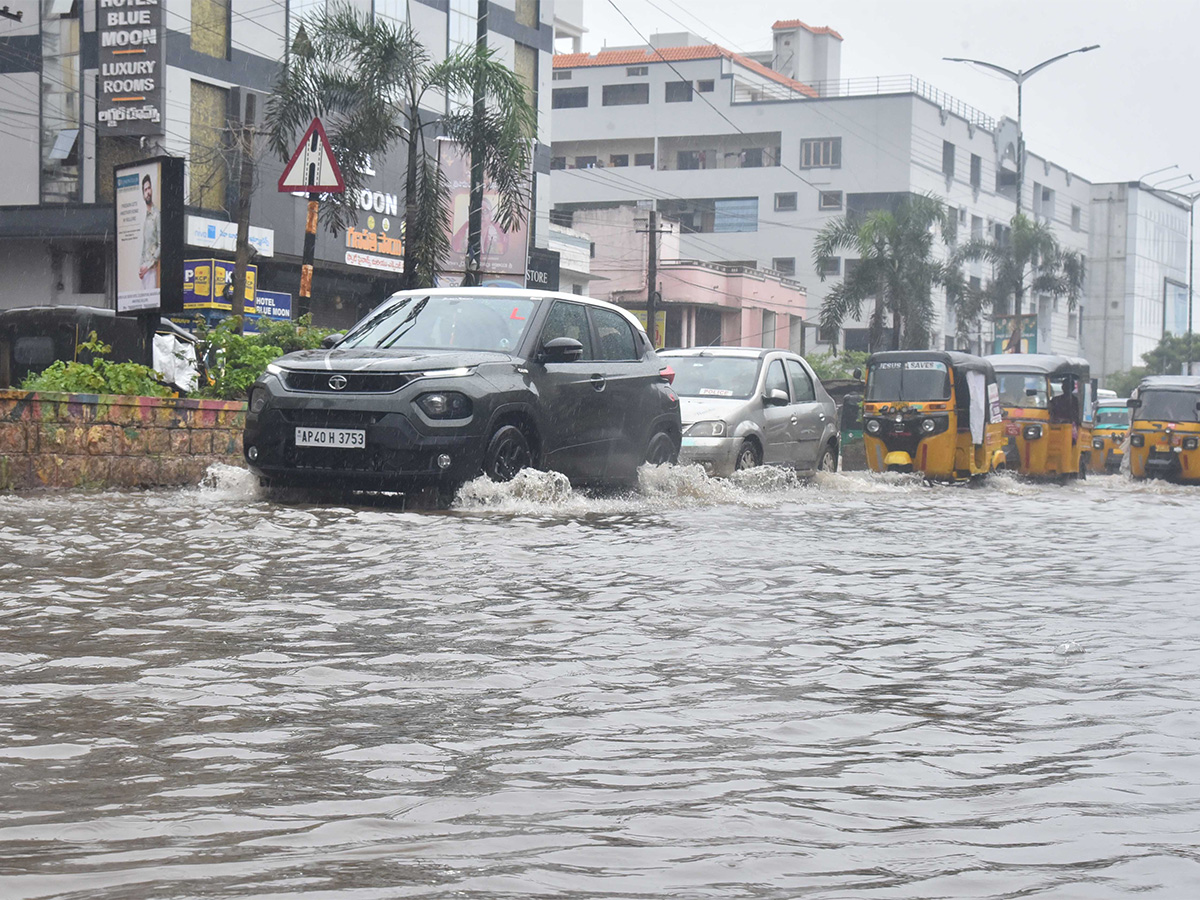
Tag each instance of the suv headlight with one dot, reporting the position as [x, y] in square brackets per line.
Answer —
[445, 405]
[708, 428]
[273, 369]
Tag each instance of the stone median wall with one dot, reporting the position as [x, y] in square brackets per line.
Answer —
[52, 440]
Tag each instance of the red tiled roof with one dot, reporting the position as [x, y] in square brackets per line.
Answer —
[796, 23]
[675, 54]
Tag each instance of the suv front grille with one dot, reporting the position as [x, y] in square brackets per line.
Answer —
[356, 382]
[330, 418]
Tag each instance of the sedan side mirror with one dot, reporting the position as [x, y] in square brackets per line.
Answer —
[775, 397]
[560, 349]
[1136, 402]
[332, 340]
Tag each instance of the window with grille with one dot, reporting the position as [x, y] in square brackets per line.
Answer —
[679, 92]
[829, 200]
[636, 71]
[785, 202]
[626, 94]
[947, 159]
[569, 98]
[821, 153]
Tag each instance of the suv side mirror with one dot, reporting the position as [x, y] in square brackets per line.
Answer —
[332, 340]
[1136, 402]
[560, 349]
[775, 397]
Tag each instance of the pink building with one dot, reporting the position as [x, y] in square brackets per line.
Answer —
[706, 303]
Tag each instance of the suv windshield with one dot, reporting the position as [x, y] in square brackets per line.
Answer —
[715, 376]
[445, 323]
[1111, 416]
[1168, 406]
[915, 380]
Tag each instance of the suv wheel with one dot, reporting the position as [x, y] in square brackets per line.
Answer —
[661, 449]
[507, 454]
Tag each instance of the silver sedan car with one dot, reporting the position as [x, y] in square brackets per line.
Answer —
[743, 407]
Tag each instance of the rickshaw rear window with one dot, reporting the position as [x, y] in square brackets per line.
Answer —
[1168, 406]
[913, 380]
[1112, 415]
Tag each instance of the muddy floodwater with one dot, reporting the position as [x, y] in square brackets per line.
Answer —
[860, 688]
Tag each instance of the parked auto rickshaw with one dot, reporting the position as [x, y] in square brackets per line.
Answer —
[933, 412]
[1164, 434]
[1109, 433]
[1047, 403]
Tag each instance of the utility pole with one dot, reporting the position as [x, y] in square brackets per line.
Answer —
[245, 189]
[652, 296]
[472, 275]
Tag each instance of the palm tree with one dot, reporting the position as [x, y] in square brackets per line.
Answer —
[896, 269]
[1029, 259]
[369, 80]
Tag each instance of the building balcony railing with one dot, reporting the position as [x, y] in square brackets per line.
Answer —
[904, 84]
[731, 269]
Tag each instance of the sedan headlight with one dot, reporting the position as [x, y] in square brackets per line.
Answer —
[1031, 432]
[708, 428]
[873, 426]
[1138, 440]
[445, 405]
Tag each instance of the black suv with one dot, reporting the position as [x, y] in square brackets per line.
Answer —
[435, 387]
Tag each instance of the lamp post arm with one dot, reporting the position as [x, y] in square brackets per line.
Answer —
[1054, 59]
[1015, 76]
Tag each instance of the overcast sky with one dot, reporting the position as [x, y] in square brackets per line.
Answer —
[1113, 114]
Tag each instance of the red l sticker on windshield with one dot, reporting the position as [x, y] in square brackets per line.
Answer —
[515, 316]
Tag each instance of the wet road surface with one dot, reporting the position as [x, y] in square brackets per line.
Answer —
[860, 688]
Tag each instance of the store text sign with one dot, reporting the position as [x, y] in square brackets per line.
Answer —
[130, 88]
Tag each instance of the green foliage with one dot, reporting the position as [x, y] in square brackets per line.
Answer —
[1124, 382]
[236, 360]
[369, 79]
[1028, 260]
[1168, 358]
[833, 366]
[896, 269]
[100, 376]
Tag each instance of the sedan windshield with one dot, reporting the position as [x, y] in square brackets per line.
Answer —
[1112, 416]
[445, 323]
[1168, 406]
[715, 376]
[914, 380]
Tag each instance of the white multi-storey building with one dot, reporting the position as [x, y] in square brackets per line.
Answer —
[753, 155]
[1138, 274]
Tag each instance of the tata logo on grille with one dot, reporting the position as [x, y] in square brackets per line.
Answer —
[338, 382]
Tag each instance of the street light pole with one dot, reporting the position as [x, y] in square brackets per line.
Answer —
[1020, 77]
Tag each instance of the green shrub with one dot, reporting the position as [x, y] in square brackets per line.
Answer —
[834, 366]
[100, 376]
[236, 360]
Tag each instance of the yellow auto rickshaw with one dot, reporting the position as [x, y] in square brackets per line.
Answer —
[1047, 402]
[1164, 436]
[933, 412]
[1109, 433]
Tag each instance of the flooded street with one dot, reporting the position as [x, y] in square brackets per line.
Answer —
[860, 688]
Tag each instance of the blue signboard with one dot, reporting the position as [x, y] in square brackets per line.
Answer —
[272, 304]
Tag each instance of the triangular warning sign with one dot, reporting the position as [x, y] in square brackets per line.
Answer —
[313, 167]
